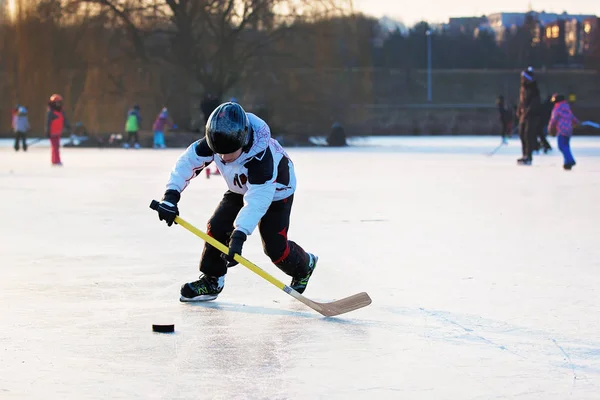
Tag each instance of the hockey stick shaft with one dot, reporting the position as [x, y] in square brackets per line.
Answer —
[491, 153]
[34, 141]
[327, 309]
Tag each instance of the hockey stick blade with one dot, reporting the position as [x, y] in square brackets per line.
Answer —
[329, 309]
[592, 124]
[336, 307]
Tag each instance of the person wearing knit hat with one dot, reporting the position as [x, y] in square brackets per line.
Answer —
[528, 113]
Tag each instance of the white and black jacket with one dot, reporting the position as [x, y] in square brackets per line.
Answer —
[263, 173]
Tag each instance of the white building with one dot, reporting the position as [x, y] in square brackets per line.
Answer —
[506, 22]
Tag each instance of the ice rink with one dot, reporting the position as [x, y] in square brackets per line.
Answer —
[485, 278]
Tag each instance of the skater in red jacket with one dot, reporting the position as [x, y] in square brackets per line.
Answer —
[55, 124]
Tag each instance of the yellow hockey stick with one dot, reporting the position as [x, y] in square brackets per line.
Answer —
[330, 309]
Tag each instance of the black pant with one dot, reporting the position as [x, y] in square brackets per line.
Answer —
[285, 254]
[527, 132]
[505, 131]
[131, 135]
[22, 136]
[541, 135]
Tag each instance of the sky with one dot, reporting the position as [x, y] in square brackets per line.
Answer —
[410, 12]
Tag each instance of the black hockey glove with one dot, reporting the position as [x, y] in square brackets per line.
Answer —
[235, 247]
[167, 208]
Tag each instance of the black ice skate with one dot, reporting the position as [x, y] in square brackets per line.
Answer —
[568, 167]
[524, 161]
[205, 289]
[299, 283]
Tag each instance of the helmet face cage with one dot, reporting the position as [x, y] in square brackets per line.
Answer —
[227, 129]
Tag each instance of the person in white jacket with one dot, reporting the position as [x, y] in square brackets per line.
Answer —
[261, 181]
[21, 127]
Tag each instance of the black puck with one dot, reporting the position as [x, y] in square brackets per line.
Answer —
[163, 328]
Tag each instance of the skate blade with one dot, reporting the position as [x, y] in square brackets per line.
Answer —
[203, 297]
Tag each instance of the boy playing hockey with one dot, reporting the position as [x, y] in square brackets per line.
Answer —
[261, 182]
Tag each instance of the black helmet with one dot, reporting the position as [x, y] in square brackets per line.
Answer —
[227, 129]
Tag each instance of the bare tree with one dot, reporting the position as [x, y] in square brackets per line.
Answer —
[215, 42]
[51, 46]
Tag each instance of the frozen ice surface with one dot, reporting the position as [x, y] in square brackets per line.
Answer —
[484, 277]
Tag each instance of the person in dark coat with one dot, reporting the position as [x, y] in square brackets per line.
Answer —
[528, 112]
